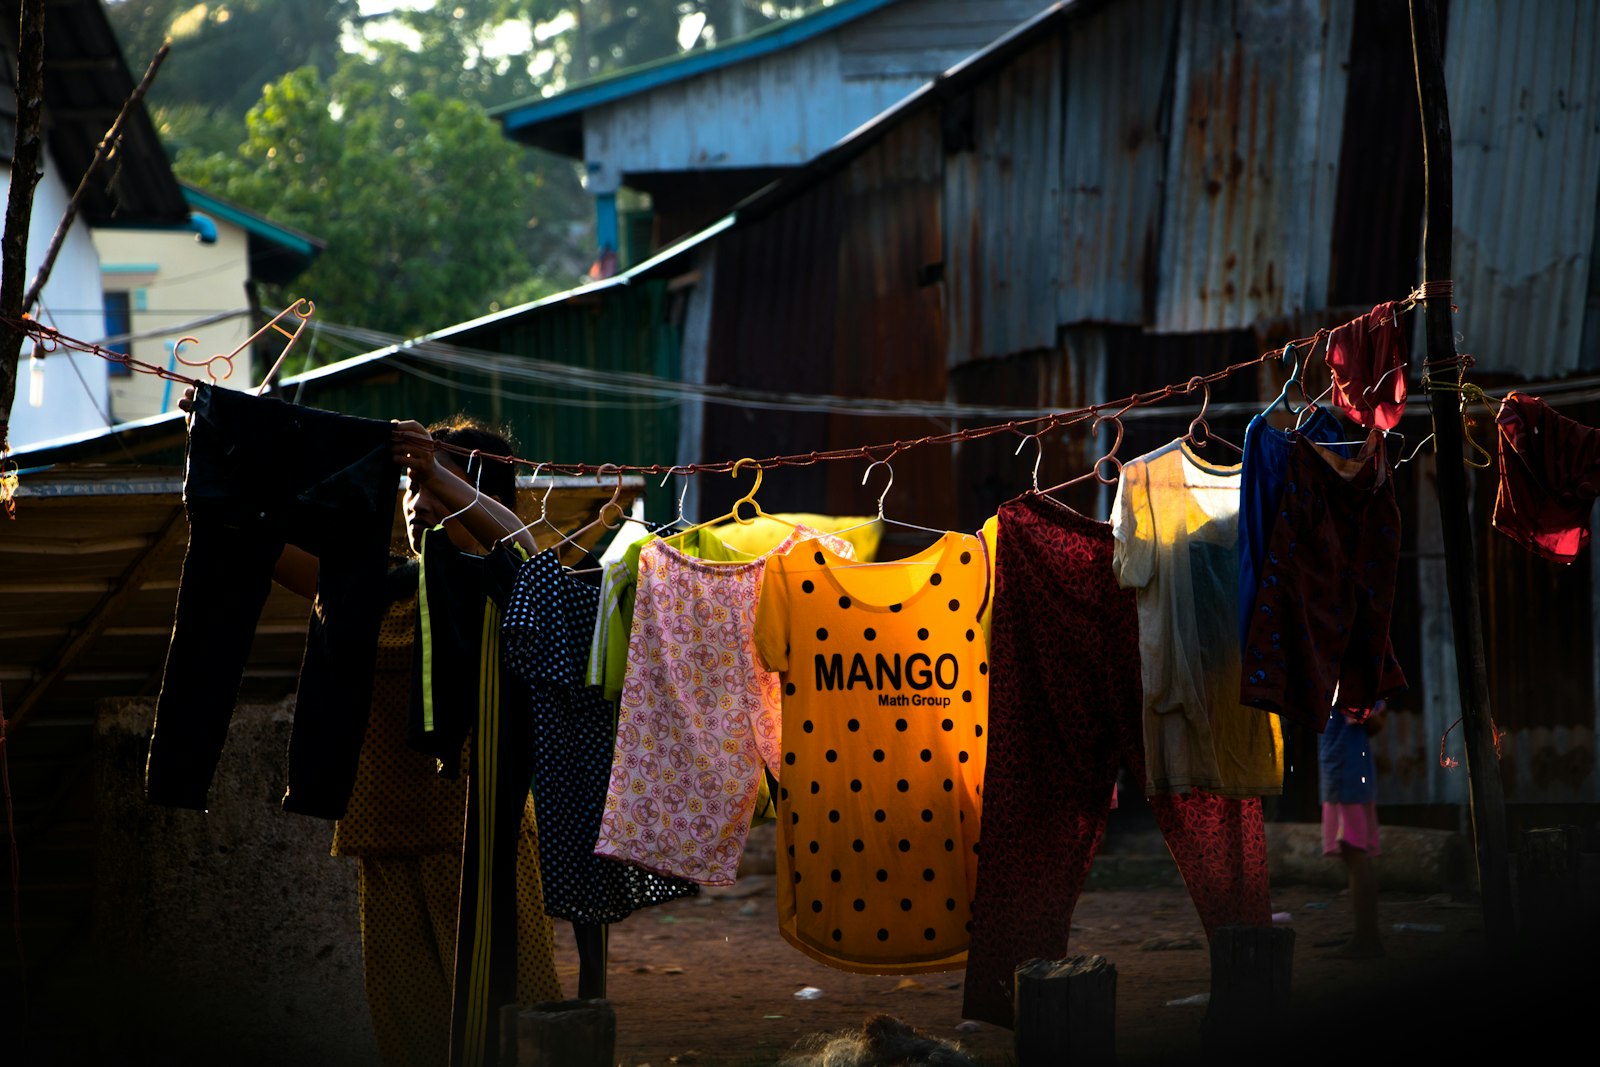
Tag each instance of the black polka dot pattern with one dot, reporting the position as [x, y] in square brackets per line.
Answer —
[545, 632]
[885, 688]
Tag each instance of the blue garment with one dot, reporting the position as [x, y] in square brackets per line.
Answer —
[1349, 770]
[1266, 461]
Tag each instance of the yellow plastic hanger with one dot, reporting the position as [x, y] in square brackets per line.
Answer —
[733, 513]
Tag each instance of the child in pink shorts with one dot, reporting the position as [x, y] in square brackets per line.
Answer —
[1350, 816]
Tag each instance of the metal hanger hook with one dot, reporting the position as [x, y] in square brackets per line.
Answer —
[683, 493]
[1038, 455]
[887, 486]
[477, 486]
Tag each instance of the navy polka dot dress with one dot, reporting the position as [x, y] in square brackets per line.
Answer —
[545, 635]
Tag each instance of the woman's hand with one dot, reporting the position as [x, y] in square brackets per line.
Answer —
[186, 401]
[413, 449]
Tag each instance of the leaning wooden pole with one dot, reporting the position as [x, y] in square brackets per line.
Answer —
[1461, 570]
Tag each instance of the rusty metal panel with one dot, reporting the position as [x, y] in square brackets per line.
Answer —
[1113, 152]
[836, 293]
[1524, 85]
[772, 327]
[1003, 192]
[1252, 166]
[889, 326]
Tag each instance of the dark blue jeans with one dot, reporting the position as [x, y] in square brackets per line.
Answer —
[260, 474]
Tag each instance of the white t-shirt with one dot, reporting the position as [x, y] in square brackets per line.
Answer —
[1176, 524]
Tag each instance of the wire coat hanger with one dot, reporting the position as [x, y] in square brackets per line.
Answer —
[1038, 455]
[678, 519]
[749, 498]
[477, 489]
[882, 518]
[544, 502]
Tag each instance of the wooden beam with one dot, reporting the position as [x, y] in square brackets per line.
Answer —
[103, 614]
[1461, 571]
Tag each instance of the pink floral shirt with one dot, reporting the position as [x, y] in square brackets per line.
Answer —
[698, 716]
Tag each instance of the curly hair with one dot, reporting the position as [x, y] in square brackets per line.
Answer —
[499, 477]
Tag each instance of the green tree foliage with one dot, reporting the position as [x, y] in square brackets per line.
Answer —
[224, 54]
[369, 129]
[421, 200]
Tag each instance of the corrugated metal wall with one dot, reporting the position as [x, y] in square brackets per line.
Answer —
[1258, 97]
[1113, 153]
[1003, 188]
[634, 328]
[1524, 85]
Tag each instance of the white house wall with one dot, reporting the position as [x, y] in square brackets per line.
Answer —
[74, 396]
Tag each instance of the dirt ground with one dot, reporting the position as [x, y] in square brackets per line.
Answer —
[709, 981]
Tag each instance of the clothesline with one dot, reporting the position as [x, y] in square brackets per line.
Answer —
[1033, 426]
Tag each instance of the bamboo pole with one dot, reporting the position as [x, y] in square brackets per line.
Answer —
[1461, 572]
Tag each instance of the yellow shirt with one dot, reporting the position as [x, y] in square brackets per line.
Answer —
[885, 682]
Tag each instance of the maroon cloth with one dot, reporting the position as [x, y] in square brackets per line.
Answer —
[1549, 478]
[1359, 354]
[1064, 712]
[1326, 591]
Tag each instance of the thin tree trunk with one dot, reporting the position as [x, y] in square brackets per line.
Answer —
[25, 169]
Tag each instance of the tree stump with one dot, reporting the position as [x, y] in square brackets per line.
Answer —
[1250, 984]
[1065, 1011]
[1549, 885]
[558, 1033]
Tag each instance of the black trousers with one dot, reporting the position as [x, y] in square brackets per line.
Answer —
[260, 474]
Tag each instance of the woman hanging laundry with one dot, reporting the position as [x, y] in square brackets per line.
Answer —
[405, 821]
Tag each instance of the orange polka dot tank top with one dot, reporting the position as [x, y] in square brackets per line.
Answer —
[884, 675]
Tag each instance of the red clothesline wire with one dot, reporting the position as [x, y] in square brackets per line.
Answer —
[50, 339]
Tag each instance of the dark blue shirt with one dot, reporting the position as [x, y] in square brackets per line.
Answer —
[1266, 459]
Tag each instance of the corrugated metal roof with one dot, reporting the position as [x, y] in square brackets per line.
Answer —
[1249, 198]
[522, 119]
[1524, 90]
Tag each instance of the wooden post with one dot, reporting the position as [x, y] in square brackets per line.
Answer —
[560, 1033]
[1251, 968]
[1550, 887]
[1066, 1011]
[1461, 572]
